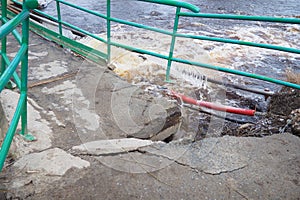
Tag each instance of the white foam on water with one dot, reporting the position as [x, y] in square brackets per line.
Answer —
[135, 67]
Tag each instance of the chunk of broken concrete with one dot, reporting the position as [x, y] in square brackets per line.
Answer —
[105, 147]
[55, 162]
[37, 126]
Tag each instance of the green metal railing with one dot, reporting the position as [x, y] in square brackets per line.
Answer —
[8, 69]
[193, 11]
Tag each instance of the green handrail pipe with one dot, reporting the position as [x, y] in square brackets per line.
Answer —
[8, 72]
[241, 42]
[242, 17]
[11, 25]
[178, 4]
[15, 75]
[15, 33]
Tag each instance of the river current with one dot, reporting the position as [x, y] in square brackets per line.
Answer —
[260, 61]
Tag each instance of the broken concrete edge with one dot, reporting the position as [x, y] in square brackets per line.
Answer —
[113, 146]
[163, 120]
[47, 161]
[40, 128]
[36, 126]
[26, 150]
[212, 156]
[53, 162]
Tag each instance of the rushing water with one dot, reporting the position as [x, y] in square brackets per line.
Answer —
[263, 62]
[158, 15]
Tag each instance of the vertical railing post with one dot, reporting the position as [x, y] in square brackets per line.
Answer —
[108, 23]
[59, 18]
[29, 4]
[172, 46]
[24, 73]
[4, 40]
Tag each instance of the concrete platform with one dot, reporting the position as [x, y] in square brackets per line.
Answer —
[76, 109]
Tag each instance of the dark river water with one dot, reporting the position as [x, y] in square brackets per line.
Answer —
[162, 16]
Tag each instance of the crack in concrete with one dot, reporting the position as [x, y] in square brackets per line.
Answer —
[175, 161]
[100, 154]
[226, 171]
[197, 170]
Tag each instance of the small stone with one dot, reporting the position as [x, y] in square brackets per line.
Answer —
[155, 13]
[244, 126]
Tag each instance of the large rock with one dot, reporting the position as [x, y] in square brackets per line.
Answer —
[108, 107]
[52, 162]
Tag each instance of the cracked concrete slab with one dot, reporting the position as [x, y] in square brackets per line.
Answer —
[117, 109]
[53, 162]
[227, 154]
[114, 146]
[212, 155]
[137, 175]
[136, 113]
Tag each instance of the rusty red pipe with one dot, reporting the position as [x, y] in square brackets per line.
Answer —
[214, 106]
